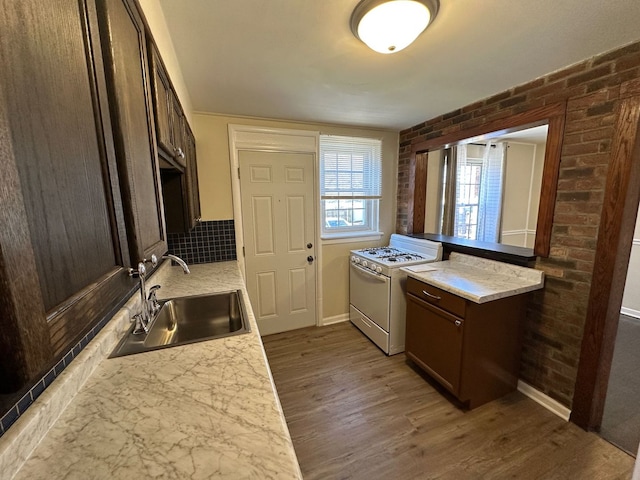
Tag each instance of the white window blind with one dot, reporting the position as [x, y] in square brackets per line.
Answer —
[350, 167]
[350, 185]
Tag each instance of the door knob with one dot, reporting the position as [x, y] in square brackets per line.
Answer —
[309, 245]
[310, 259]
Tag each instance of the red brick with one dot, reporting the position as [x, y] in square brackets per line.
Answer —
[587, 101]
[527, 87]
[627, 62]
[548, 88]
[631, 87]
[565, 72]
[473, 106]
[555, 319]
[598, 134]
[580, 149]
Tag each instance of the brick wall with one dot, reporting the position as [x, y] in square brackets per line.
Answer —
[556, 317]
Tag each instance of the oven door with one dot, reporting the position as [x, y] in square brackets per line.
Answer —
[369, 292]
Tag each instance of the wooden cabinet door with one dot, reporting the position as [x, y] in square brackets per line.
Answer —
[124, 47]
[434, 341]
[161, 102]
[193, 193]
[177, 129]
[180, 190]
[63, 244]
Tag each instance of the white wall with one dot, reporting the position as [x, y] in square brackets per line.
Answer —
[214, 175]
[523, 176]
[631, 299]
[434, 193]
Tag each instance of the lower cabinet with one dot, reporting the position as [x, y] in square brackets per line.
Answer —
[471, 349]
[434, 341]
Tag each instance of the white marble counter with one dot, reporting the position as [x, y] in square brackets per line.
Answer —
[203, 410]
[478, 279]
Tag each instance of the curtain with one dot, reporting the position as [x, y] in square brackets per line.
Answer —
[491, 189]
[478, 192]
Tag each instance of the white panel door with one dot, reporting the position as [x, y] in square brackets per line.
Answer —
[279, 231]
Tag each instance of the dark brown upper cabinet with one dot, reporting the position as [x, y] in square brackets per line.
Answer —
[161, 101]
[192, 176]
[176, 150]
[180, 191]
[178, 121]
[169, 118]
[124, 47]
[63, 235]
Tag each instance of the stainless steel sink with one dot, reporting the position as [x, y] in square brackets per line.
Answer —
[187, 320]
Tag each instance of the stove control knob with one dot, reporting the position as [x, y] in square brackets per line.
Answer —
[365, 263]
[357, 260]
[353, 259]
[379, 269]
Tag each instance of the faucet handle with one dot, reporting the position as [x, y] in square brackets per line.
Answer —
[153, 300]
[140, 326]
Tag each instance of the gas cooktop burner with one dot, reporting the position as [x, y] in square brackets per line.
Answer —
[380, 252]
[402, 257]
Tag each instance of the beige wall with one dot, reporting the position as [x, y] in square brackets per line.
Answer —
[434, 193]
[158, 25]
[523, 170]
[214, 173]
[631, 299]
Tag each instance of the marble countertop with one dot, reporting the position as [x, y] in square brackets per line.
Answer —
[478, 279]
[203, 410]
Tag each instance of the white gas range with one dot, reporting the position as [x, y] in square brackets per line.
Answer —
[376, 288]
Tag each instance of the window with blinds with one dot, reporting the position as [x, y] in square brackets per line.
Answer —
[350, 185]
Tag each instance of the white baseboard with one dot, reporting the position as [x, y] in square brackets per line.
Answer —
[630, 312]
[544, 400]
[344, 317]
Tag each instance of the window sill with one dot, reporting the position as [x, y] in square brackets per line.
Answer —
[349, 237]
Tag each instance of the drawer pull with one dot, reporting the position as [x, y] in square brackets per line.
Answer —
[458, 323]
[435, 297]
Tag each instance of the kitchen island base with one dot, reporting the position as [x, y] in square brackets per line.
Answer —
[472, 349]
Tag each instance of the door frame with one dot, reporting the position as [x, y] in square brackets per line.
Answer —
[274, 140]
[615, 237]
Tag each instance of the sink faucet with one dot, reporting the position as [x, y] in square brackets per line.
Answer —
[179, 261]
[149, 303]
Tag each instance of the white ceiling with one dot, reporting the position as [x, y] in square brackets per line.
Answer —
[298, 60]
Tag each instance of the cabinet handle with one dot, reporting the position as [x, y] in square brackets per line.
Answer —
[435, 297]
[458, 323]
[179, 153]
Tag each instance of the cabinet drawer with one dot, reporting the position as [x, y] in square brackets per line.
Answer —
[436, 296]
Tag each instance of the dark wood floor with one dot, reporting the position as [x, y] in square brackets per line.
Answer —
[354, 413]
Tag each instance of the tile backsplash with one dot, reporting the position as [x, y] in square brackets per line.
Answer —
[210, 241]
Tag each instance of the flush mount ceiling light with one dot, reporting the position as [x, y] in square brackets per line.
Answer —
[388, 26]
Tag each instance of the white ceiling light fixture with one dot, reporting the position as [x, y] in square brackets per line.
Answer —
[388, 26]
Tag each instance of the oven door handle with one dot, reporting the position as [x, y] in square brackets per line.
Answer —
[377, 276]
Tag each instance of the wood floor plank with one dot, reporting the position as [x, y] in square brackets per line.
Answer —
[355, 413]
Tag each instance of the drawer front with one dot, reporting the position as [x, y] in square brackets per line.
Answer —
[369, 328]
[436, 296]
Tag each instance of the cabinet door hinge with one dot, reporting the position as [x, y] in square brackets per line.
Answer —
[243, 254]
[238, 172]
